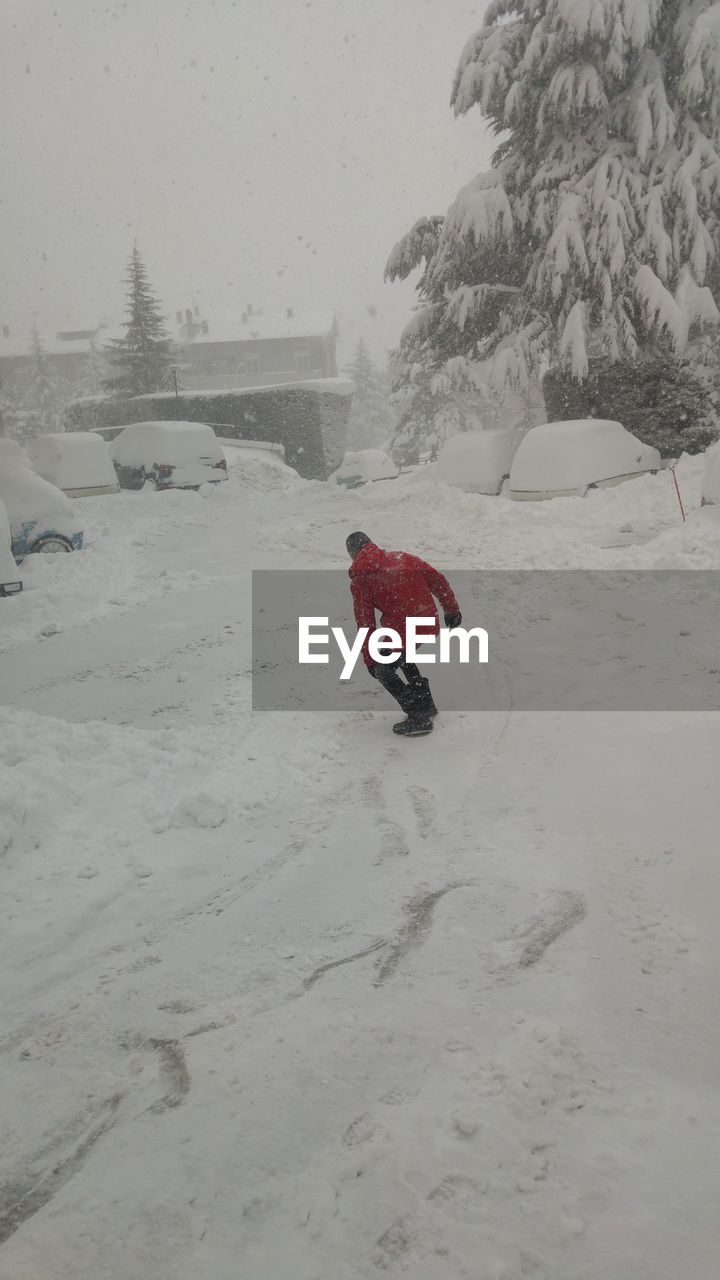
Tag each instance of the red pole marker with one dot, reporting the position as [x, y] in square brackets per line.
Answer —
[677, 490]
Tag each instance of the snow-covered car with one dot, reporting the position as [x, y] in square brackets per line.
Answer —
[10, 580]
[710, 493]
[363, 466]
[477, 461]
[41, 517]
[108, 433]
[171, 455]
[565, 459]
[78, 462]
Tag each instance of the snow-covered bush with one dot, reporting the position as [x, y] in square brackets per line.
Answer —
[663, 403]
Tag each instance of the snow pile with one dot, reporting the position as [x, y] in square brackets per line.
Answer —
[259, 471]
[128, 559]
[29, 498]
[199, 810]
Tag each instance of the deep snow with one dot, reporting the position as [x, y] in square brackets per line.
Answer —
[286, 999]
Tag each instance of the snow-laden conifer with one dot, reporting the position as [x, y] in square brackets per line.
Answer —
[143, 357]
[596, 234]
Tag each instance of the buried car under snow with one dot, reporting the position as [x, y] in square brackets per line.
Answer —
[478, 461]
[565, 459]
[10, 580]
[41, 517]
[364, 466]
[711, 477]
[78, 462]
[171, 455]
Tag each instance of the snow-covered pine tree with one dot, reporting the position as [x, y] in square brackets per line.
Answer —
[144, 356]
[371, 418]
[597, 231]
[93, 373]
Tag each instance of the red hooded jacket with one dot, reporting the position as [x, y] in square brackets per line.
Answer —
[400, 586]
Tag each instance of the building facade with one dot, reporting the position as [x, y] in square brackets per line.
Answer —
[249, 350]
[255, 350]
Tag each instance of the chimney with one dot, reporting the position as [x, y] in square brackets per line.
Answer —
[290, 313]
[188, 318]
[205, 326]
[6, 331]
[196, 310]
[244, 317]
[249, 308]
[178, 317]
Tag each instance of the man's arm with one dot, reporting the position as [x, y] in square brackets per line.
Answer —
[440, 587]
[364, 611]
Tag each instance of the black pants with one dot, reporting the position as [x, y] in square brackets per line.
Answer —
[406, 685]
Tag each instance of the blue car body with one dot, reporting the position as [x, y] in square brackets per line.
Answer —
[25, 535]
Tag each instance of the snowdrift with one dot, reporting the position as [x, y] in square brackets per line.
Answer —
[35, 507]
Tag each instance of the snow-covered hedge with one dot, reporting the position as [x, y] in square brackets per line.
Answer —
[665, 404]
[311, 423]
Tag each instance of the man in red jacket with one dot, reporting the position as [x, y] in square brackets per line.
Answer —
[399, 586]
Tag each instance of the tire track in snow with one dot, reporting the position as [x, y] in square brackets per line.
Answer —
[547, 928]
[420, 911]
[216, 904]
[173, 1068]
[25, 1195]
[175, 1071]
[309, 982]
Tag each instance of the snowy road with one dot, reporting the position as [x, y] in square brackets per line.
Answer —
[286, 999]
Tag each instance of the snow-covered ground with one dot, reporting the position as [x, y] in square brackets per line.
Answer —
[286, 998]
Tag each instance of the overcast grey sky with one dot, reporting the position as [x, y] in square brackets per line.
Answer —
[264, 151]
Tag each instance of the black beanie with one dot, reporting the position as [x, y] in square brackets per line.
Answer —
[355, 541]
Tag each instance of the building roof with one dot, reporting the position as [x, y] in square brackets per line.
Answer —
[223, 328]
[232, 327]
[18, 342]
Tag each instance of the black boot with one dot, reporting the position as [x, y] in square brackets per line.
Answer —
[414, 727]
[428, 704]
[419, 719]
